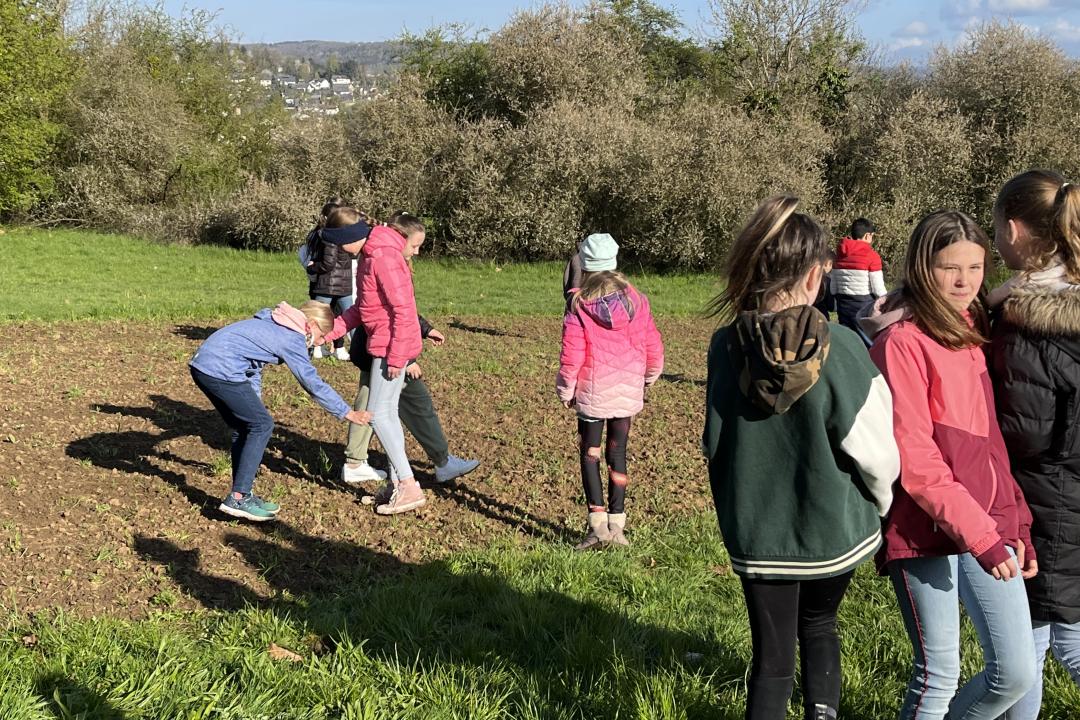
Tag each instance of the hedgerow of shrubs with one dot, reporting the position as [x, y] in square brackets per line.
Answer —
[564, 121]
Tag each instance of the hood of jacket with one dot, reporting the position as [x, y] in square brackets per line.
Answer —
[885, 311]
[613, 311]
[1040, 304]
[286, 316]
[779, 355]
[382, 240]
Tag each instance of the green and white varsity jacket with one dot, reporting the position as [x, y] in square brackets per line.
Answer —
[798, 435]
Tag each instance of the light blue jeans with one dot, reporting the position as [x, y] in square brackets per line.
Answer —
[929, 591]
[1065, 641]
[384, 395]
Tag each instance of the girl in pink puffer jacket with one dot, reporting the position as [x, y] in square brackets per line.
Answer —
[611, 351]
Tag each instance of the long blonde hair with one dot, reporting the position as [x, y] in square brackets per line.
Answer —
[595, 285]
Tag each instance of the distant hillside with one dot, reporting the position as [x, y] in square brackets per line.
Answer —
[382, 55]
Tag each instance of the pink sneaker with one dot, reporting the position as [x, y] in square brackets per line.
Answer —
[406, 496]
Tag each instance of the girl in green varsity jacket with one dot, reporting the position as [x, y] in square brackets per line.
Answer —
[798, 435]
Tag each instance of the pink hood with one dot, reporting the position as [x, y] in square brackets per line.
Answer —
[611, 350]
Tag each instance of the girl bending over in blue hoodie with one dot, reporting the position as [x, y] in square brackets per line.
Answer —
[227, 367]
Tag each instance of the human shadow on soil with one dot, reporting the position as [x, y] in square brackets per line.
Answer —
[146, 452]
[68, 698]
[480, 330]
[289, 453]
[194, 332]
[680, 378]
[459, 612]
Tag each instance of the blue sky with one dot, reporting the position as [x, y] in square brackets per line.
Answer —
[901, 29]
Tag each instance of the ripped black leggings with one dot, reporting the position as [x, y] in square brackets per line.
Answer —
[591, 432]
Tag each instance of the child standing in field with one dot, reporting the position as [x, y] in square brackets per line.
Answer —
[227, 367]
[959, 531]
[798, 436]
[386, 308]
[1035, 352]
[331, 272]
[857, 277]
[611, 351]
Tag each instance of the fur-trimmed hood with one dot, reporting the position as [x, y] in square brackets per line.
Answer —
[1043, 312]
[1040, 304]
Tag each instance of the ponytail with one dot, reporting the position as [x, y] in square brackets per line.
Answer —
[777, 247]
[1049, 208]
[1065, 229]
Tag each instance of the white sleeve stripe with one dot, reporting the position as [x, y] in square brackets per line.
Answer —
[872, 445]
[877, 283]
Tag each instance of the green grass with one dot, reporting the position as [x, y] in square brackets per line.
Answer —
[75, 274]
[658, 631]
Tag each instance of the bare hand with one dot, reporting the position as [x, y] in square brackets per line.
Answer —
[1005, 571]
[414, 371]
[393, 372]
[436, 338]
[568, 404]
[358, 417]
[1029, 566]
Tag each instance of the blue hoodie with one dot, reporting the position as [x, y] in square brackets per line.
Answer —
[238, 352]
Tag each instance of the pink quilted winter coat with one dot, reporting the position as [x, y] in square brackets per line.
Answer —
[611, 350]
[385, 304]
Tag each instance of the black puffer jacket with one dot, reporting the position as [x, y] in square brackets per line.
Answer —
[331, 270]
[1035, 358]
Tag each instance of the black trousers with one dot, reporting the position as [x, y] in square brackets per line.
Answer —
[782, 612]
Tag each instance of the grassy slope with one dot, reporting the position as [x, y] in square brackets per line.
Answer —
[71, 275]
[500, 632]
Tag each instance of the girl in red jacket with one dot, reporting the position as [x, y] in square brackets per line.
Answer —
[611, 351]
[387, 309]
[959, 529]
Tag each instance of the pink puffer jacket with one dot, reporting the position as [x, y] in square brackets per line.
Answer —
[385, 304]
[611, 350]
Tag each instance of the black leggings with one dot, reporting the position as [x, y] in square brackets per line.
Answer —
[618, 430]
[780, 612]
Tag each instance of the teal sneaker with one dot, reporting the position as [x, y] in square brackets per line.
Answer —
[268, 506]
[249, 507]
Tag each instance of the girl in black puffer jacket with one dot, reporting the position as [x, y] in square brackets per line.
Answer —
[1035, 357]
[330, 274]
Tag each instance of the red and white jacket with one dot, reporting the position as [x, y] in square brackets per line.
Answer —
[857, 270]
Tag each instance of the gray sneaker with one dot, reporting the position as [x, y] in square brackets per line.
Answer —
[453, 468]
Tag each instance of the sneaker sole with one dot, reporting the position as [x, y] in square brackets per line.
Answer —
[398, 509]
[452, 478]
[356, 481]
[237, 513]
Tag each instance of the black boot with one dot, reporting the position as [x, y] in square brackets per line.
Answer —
[819, 711]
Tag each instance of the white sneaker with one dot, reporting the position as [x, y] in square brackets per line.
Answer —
[317, 353]
[341, 353]
[361, 472]
[455, 467]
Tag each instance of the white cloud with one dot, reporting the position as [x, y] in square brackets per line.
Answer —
[913, 30]
[906, 43]
[1019, 6]
[1063, 30]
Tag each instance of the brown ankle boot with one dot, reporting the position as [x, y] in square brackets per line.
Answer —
[616, 524]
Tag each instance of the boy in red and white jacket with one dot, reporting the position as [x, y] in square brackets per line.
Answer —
[857, 276]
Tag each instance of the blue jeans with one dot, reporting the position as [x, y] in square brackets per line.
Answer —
[929, 591]
[339, 304]
[384, 395]
[1065, 641]
[243, 411]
